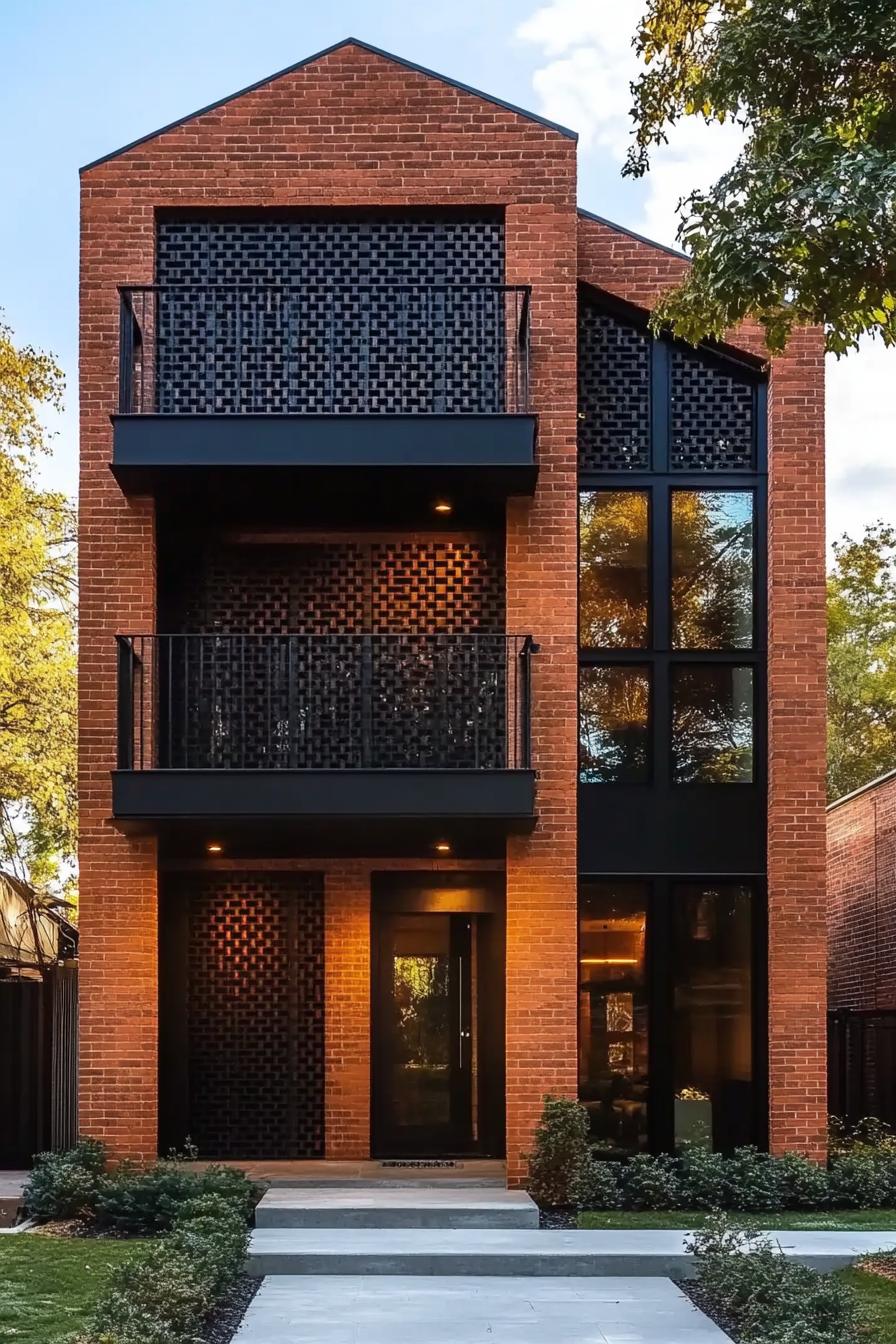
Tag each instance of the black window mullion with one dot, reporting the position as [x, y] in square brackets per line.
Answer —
[661, 1019]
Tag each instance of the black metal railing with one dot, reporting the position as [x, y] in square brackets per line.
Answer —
[324, 702]
[275, 349]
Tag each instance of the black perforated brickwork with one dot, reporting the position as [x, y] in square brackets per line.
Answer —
[255, 1014]
[711, 416]
[291, 315]
[614, 393]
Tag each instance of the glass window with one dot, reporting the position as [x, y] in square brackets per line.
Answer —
[712, 569]
[613, 569]
[713, 1019]
[613, 718]
[613, 1012]
[712, 724]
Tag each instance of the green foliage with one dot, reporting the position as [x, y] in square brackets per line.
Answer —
[803, 1184]
[703, 1177]
[37, 655]
[66, 1185]
[162, 1295]
[597, 1185]
[768, 1298]
[862, 660]
[802, 228]
[651, 1183]
[147, 1200]
[864, 1178]
[561, 1152]
[753, 1182]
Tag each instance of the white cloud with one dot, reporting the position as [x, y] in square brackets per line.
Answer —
[584, 82]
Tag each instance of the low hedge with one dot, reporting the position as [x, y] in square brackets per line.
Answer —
[761, 1297]
[563, 1171]
[131, 1200]
[162, 1295]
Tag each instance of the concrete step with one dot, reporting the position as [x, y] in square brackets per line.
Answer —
[436, 1207]
[513, 1252]
[460, 1310]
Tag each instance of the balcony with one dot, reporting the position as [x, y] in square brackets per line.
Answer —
[428, 380]
[343, 729]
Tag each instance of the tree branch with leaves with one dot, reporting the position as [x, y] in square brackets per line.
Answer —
[801, 230]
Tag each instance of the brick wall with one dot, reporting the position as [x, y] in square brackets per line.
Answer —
[639, 272]
[350, 129]
[862, 899]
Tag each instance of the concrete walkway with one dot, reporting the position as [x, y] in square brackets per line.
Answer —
[473, 1310]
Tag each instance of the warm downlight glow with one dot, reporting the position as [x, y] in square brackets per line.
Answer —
[214, 848]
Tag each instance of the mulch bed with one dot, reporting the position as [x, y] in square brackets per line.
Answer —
[700, 1299]
[560, 1220]
[224, 1322]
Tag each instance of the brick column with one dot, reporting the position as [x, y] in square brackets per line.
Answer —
[542, 600]
[797, 931]
[347, 1011]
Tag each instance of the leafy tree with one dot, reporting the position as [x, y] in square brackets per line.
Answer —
[802, 228]
[37, 656]
[862, 660]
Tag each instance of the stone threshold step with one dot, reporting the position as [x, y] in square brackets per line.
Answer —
[437, 1207]
[538, 1254]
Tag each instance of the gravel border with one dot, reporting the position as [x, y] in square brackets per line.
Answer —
[561, 1220]
[226, 1319]
[701, 1300]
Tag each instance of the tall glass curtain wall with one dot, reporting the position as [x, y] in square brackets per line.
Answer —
[671, 727]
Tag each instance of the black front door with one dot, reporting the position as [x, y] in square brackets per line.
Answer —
[424, 1037]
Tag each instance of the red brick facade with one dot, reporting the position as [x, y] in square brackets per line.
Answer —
[862, 898]
[354, 129]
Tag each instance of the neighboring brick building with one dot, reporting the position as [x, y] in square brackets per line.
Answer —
[862, 897]
[348, 884]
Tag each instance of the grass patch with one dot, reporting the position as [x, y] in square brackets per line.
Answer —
[878, 1298]
[831, 1220]
[49, 1285]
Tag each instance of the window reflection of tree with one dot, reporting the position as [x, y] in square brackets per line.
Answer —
[613, 707]
[712, 569]
[712, 724]
[613, 569]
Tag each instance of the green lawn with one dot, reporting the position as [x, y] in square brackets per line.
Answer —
[878, 1297]
[837, 1220]
[48, 1285]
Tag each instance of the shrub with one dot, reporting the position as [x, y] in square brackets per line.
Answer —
[596, 1185]
[561, 1152]
[703, 1177]
[767, 1298]
[65, 1185]
[861, 1178]
[147, 1200]
[804, 1184]
[651, 1183]
[753, 1182]
[161, 1295]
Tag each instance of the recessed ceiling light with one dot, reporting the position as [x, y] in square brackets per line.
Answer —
[213, 847]
[443, 506]
[443, 847]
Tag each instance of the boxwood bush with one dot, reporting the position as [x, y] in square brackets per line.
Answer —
[762, 1297]
[162, 1294]
[861, 1173]
[131, 1200]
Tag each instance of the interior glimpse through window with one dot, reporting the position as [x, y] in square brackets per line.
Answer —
[712, 724]
[613, 1013]
[712, 569]
[613, 569]
[713, 1041]
[614, 703]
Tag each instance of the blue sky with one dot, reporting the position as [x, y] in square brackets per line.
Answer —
[80, 79]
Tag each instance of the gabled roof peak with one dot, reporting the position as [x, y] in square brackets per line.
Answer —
[309, 60]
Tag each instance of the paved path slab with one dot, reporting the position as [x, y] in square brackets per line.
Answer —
[473, 1310]
[519, 1252]
[441, 1206]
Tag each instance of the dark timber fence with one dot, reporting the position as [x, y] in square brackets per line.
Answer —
[862, 1064]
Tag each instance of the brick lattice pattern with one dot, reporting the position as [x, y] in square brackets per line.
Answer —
[712, 416]
[614, 392]
[290, 315]
[255, 1014]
